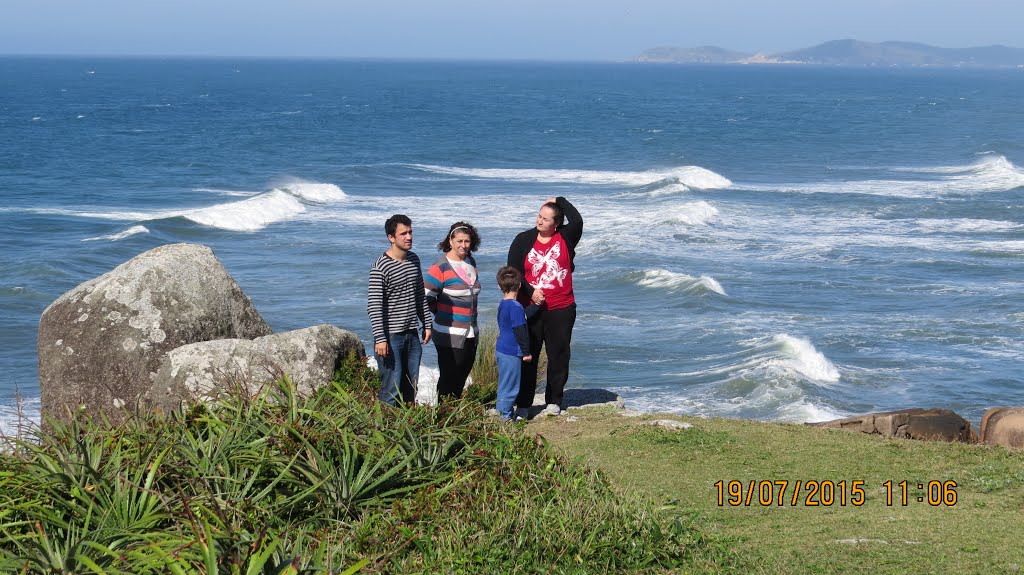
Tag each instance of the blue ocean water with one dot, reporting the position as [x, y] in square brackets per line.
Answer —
[772, 242]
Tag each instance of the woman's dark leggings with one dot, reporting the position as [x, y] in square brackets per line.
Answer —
[453, 366]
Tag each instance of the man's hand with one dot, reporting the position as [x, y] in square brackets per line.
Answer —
[381, 348]
[426, 335]
[527, 358]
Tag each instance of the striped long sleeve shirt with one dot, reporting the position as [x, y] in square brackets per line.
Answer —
[395, 300]
[453, 301]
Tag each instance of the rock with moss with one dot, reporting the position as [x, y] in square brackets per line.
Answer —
[101, 344]
[203, 371]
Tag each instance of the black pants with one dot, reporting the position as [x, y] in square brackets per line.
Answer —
[454, 365]
[553, 330]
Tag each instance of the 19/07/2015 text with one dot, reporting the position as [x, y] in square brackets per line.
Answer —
[828, 493]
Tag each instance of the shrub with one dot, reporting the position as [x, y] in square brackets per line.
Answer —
[332, 483]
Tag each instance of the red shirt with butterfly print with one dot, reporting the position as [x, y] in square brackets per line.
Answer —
[548, 268]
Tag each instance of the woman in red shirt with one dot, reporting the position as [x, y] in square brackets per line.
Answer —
[545, 256]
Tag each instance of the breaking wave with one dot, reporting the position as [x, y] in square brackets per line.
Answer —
[776, 377]
[121, 235]
[279, 204]
[988, 175]
[679, 282]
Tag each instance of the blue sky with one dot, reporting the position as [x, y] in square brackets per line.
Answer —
[487, 29]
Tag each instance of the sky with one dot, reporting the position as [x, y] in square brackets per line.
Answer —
[488, 29]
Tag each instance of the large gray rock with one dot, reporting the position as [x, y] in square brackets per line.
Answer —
[101, 343]
[202, 371]
[916, 423]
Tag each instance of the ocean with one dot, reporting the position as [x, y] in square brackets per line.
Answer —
[767, 242]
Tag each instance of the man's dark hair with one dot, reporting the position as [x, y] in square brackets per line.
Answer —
[559, 212]
[509, 279]
[460, 228]
[391, 226]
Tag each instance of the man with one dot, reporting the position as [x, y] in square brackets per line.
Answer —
[545, 255]
[397, 305]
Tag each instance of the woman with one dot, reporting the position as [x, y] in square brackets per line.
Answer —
[452, 288]
[545, 256]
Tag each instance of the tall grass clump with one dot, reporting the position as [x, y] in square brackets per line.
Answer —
[333, 483]
[484, 374]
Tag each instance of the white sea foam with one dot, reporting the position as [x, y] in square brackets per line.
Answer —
[12, 422]
[780, 358]
[248, 215]
[666, 190]
[314, 191]
[691, 214]
[773, 402]
[804, 411]
[689, 176]
[990, 174]
[111, 215]
[254, 213]
[121, 235]
[674, 281]
[800, 356]
[965, 225]
[240, 193]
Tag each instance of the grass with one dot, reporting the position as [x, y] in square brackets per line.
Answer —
[678, 470]
[336, 483]
[340, 484]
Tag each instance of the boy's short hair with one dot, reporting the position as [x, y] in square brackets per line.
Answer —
[391, 226]
[509, 279]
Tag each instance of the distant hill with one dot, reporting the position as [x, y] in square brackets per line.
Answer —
[851, 53]
[701, 55]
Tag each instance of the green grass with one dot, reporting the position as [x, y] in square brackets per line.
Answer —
[336, 483]
[678, 470]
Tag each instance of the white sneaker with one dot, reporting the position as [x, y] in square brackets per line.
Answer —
[521, 414]
[552, 410]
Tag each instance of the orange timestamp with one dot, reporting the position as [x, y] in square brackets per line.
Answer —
[828, 493]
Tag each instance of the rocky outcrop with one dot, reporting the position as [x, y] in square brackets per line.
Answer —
[928, 424]
[101, 343]
[204, 370]
[1003, 426]
[580, 398]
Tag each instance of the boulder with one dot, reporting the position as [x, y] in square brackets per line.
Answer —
[204, 370]
[1003, 426]
[917, 423]
[101, 343]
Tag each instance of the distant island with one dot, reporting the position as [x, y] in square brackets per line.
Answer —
[850, 53]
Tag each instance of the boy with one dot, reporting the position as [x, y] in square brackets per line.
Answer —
[512, 347]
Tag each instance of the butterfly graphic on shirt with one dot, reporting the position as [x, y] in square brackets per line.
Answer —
[545, 267]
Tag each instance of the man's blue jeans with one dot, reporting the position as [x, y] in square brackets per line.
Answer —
[400, 370]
